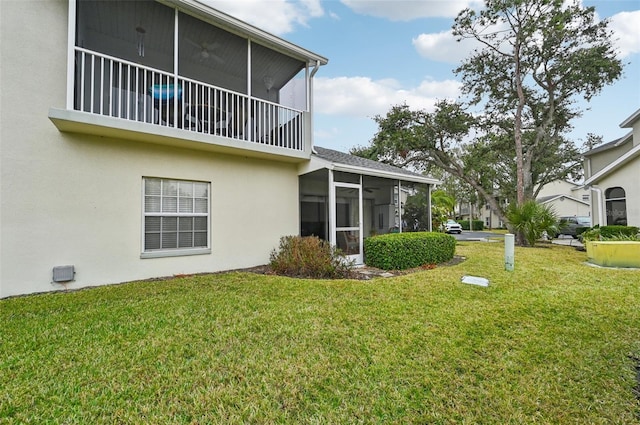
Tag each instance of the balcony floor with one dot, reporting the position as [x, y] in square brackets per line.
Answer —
[72, 121]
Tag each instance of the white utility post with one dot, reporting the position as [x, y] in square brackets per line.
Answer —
[509, 251]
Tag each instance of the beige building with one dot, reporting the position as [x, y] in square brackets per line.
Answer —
[567, 199]
[612, 171]
[146, 139]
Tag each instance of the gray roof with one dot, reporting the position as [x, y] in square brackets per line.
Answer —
[342, 158]
[543, 199]
[610, 145]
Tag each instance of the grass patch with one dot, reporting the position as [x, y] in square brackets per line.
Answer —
[548, 343]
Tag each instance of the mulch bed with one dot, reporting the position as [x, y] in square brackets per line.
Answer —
[367, 272]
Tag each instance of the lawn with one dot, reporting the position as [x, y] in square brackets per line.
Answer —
[551, 343]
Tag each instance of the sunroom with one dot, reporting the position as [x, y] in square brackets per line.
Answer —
[344, 199]
[187, 74]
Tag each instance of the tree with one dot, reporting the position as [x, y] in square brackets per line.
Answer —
[420, 140]
[537, 57]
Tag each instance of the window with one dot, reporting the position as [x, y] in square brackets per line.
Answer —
[176, 217]
[616, 205]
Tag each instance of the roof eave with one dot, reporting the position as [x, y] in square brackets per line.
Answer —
[610, 145]
[334, 166]
[613, 166]
[631, 120]
[385, 174]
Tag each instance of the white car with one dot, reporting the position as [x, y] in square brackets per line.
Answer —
[451, 226]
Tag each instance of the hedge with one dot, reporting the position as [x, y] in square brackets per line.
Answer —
[399, 251]
[477, 224]
[613, 231]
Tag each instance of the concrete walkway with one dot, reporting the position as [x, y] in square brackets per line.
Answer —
[568, 241]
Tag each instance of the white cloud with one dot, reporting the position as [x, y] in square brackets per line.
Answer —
[275, 16]
[625, 27]
[406, 10]
[443, 47]
[363, 97]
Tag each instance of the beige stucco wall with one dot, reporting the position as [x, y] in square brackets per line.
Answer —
[627, 178]
[557, 187]
[600, 160]
[488, 216]
[77, 199]
[565, 207]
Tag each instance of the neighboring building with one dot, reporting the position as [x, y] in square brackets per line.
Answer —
[611, 172]
[567, 199]
[465, 210]
[153, 138]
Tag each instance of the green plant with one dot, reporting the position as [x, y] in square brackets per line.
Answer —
[611, 233]
[407, 250]
[532, 220]
[310, 257]
[618, 231]
[592, 234]
[477, 224]
[580, 230]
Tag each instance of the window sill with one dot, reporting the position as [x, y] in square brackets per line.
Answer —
[175, 253]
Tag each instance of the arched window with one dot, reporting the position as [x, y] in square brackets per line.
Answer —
[616, 204]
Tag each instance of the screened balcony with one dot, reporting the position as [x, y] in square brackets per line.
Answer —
[186, 72]
[113, 87]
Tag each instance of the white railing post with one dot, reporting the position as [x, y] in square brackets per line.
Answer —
[211, 110]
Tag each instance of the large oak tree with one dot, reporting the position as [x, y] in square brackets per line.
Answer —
[535, 60]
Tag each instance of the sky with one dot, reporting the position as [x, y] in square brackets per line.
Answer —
[389, 52]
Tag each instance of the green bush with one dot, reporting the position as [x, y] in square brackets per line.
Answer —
[309, 257]
[477, 224]
[610, 233]
[615, 231]
[401, 251]
[581, 229]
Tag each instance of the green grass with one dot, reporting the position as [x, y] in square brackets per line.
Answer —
[548, 343]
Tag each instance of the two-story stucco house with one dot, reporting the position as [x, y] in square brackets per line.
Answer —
[152, 138]
[612, 171]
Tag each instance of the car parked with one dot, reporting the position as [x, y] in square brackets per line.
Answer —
[452, 226]
[569, 225]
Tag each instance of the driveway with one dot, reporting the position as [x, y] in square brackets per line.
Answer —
[468, 235]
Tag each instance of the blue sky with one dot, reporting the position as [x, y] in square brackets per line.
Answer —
[387, 52]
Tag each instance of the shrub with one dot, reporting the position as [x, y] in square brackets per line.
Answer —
[581, 229]
[309, 257]
[610, 233]
[477, 224]
[615, 231]
[401, 251]
[532, 220]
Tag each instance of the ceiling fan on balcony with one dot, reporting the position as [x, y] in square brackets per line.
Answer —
[205, 51]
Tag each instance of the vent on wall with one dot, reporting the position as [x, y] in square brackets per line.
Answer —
[63, 273]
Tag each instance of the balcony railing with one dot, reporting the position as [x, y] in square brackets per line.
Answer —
[113, 87]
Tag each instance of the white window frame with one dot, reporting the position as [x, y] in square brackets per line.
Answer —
[174, 252]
